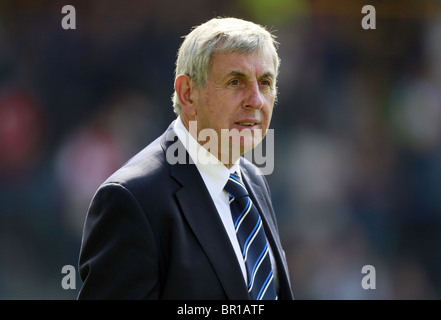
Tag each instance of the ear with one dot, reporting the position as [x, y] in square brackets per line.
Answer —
[184, 91]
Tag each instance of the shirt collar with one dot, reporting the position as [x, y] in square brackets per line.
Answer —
[214, 173]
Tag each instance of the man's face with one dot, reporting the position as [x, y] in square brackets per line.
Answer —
[239, 94]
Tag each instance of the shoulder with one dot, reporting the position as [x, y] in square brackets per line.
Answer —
[143, 165]
[146, 172]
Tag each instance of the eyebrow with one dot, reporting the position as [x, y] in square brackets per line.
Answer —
[243, 75]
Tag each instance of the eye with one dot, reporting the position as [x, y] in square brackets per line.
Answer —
[265, 83]
[234, 82]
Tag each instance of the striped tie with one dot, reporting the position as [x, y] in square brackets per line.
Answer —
[252, 241]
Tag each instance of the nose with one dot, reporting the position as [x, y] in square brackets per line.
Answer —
[254, 99]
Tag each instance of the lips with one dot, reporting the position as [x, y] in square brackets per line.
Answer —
[247, 122]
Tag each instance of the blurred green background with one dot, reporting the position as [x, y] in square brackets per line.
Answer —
[357, 177]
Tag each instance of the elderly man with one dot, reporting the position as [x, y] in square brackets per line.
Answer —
[200, 226]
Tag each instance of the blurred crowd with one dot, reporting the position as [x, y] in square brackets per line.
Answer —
[357, 178]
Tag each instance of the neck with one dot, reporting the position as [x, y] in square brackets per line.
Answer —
[211, 141]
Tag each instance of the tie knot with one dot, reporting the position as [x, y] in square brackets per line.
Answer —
[235, 187]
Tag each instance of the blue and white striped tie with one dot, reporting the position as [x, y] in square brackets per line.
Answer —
[252, 241]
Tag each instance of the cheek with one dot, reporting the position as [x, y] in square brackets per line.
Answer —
[268, 113]
[219, 109]
[210, 115]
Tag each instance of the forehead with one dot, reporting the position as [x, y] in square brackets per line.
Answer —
[255, 63]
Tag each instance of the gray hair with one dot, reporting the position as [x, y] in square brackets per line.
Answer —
[226, 35]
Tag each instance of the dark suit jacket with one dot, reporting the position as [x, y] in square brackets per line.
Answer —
[153, 232]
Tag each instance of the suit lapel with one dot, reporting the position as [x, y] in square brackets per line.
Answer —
[201, 214]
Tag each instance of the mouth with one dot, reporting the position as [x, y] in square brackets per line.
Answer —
[246, 124]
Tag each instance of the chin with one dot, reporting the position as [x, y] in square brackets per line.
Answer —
[246, 144]
[240, 142]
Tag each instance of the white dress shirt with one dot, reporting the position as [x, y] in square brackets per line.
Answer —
[215, 175]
